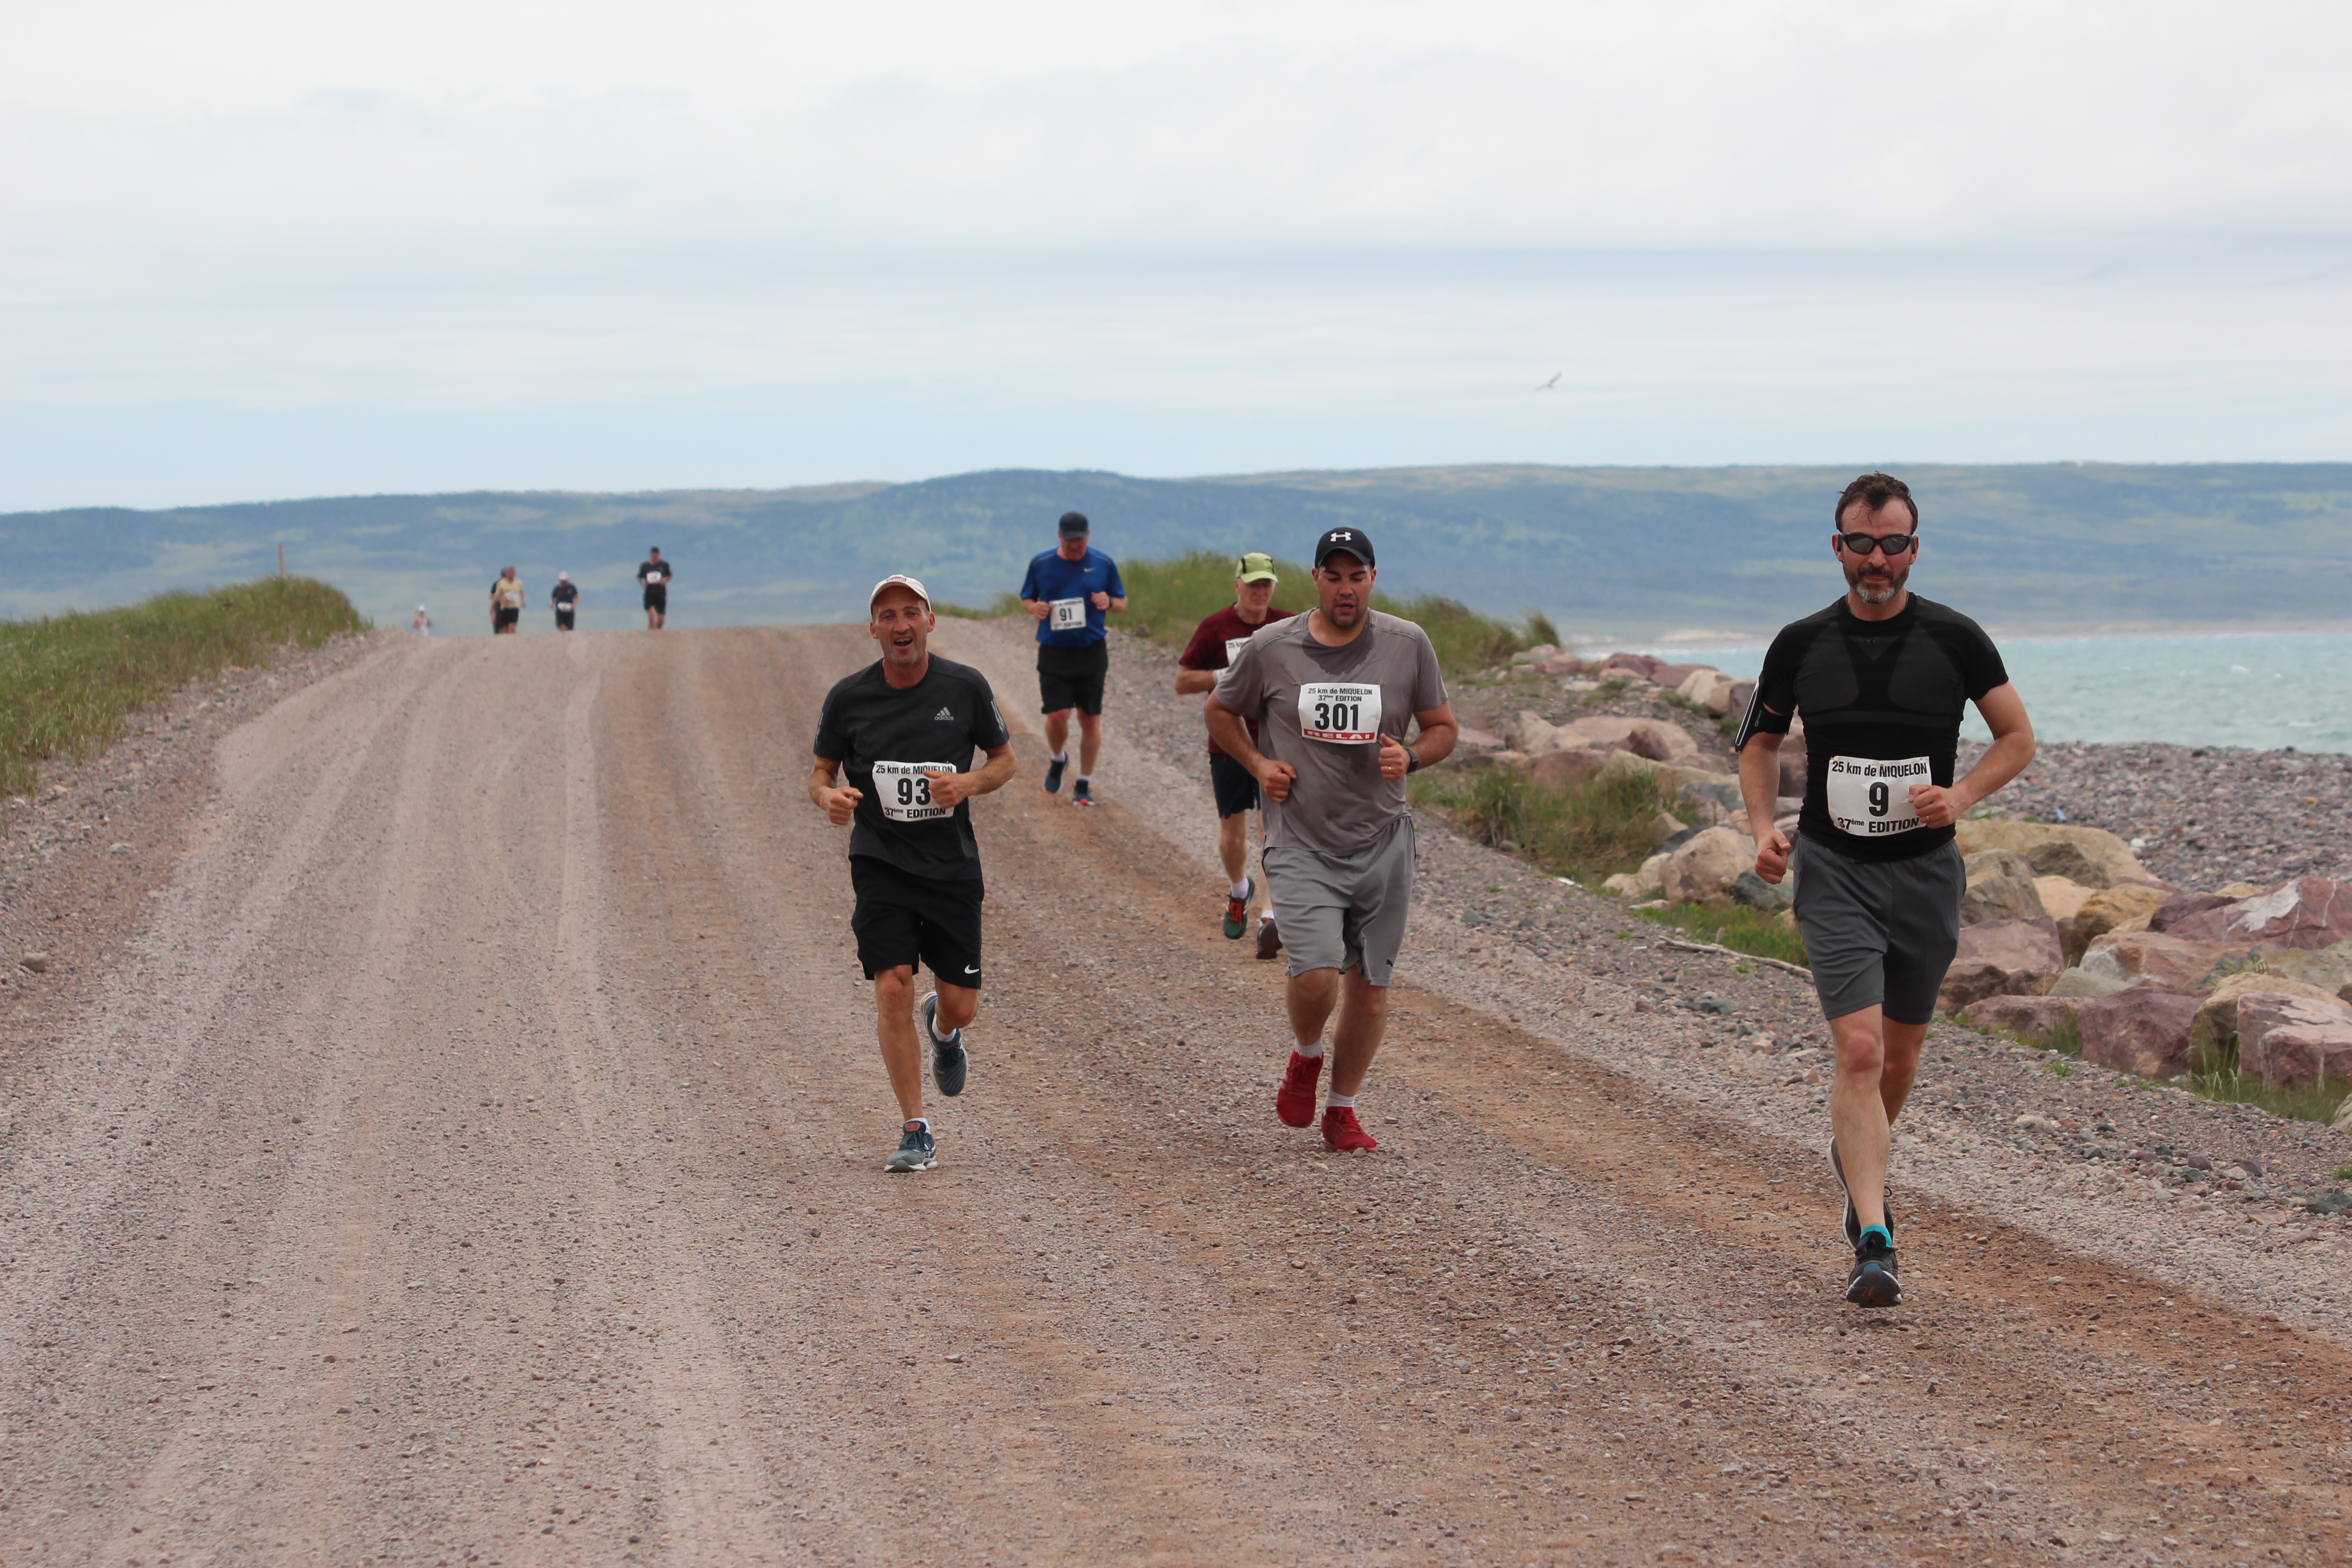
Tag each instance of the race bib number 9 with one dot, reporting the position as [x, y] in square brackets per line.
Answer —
[1069, 614]
[904, 790]
[1872, 799]
[1339, 711]
[1234, 646]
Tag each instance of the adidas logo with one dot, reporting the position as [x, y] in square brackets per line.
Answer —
[942, 717]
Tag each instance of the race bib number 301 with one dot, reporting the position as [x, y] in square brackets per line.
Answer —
[1340, 711]
[1069, 614]
[1871, 799]
[904, 790]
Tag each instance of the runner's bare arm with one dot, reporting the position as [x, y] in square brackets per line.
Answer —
[1759, 790]
[1038, 608]
[1105, 602]
[1233, 738]
[952, 790]
[1191, 682]
[2011, 749]
[838, 803]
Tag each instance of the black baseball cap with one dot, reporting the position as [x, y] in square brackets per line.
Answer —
[1075, 525]
[1352, 542]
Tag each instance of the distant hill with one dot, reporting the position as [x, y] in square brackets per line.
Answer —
[1626, 552]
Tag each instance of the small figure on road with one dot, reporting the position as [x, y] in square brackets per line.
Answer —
[655, 574]
[1333, 694]
[1214, 642]
[507, 597]
[894, 746]
[1881, 680]
[420, 623]
[1073, 589]
[565, 601]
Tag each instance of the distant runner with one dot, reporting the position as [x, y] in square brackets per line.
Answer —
[655, 573]
[1882, 679]
[904, 729]
[565, 600]
[506, 604]
[1335, 691]
[1073, 590]
[1215, 642]
[420, 623]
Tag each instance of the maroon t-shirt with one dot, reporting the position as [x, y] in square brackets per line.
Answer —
[1207, 649]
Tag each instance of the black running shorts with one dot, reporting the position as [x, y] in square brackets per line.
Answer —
[504, 616]
[657, 599]
[563, 620]
[901, 918]
[1072, 677]
[1235, 786]
[1878, 932]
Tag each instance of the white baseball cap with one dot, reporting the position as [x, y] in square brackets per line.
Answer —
[563, 576]
[900, 580]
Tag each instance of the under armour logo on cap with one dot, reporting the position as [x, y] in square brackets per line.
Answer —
[1346, 541]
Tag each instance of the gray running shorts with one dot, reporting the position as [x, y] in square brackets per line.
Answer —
[1877, 932]
[1343, 912]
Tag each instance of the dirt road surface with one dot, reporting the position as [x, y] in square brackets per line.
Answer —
[479, 1160]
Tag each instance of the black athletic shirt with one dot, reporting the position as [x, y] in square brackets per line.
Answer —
[942, 718]
[1875, 692]
[564, 593]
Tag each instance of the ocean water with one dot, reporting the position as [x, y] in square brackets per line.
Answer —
[2264, 690]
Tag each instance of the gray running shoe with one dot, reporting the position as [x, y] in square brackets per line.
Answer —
[1873, 1282]
[949, 1060]
[915, 1152]
[1852, 1224]
[1269, 941]
[1053, 766]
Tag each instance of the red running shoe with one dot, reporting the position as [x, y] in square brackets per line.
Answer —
[1295, 1100]
[1343, 1134]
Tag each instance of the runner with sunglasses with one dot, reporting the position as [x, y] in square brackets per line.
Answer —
[1882, 679]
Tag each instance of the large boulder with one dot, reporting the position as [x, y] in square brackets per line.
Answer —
[1672, 676]
[1628, 666]
[2062, 901]
[1704, 869]
[1743, 692]
[2123, 907]
[2082, 985]
[2216, 1024]
[2301, 1056]
[2090, 855]
[2000, 888]
[1644, 883]
[1674, 776]
[1537, 736]
[1555, 770]
[1652, 738]
[2033, 1019]
[2161, 959]
[2001, 958]
[1793, 768]
[2181, 906]
[2329, 968]
[1756, 893]
[2141, 1030]
[1707, 689]
[2308, 912]
[2287, 1039]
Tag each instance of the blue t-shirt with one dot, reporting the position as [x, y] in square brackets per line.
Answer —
[1052, 578]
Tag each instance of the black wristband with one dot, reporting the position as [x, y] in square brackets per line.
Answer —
[1412, 761]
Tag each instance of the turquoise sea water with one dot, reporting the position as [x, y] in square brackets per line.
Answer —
[2263, 690]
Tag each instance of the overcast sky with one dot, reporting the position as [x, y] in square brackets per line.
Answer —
[250, 251]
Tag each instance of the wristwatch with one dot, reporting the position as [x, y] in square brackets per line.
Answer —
[1412, 761]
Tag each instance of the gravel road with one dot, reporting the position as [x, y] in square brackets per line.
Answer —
[473, 1154]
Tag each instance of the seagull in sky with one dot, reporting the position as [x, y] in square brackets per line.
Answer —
[1554, 382]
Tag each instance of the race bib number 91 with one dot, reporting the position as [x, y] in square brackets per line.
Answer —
[1069, 614]
[904, 790]
[1871, 799]
[1340, 711]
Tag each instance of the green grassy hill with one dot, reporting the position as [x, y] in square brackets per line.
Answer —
[1628, 551]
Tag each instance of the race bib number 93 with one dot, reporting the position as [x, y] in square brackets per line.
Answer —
[1339, 711]
[1872, 799]
[904, 790]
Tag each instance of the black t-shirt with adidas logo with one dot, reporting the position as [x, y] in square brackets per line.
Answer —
[881, 734]
[1882, 702]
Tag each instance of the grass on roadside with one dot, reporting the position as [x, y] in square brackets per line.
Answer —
[1166, 599]
[67, 682]
[1741, 929]
[2215, 1077]
[1585, 830]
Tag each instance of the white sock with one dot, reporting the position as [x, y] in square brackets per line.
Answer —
[1086, 778]
[1267, 913]
[922, 1121]
[1313, 1053]
[1062, 756]
[1241, 889]
[1339, 1103]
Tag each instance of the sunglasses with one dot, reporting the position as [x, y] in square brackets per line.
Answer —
[1893, 544]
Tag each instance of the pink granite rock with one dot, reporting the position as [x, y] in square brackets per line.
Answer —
[1652, 738]
[2300, 1055]
[2163, 959]
[2002, 958]
[2310, 912]
[2141, 1030]
[2030, 1018]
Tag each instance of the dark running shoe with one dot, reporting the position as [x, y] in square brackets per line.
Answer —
[1295, 1100]
[1237, 909]
[1053, 766]
[1082, 793]
[949, 1060]
[1873, 1282]
[1853, 1220]
[1269, 941]
[917, 1151]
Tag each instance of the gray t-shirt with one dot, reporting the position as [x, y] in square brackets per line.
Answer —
[1322, 711]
